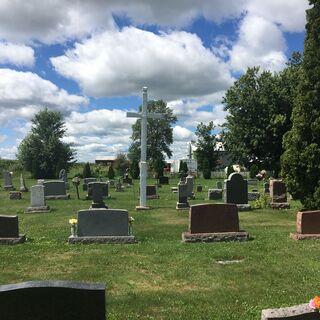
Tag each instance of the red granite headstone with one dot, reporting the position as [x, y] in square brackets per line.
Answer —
[211, 218]
[308, 222]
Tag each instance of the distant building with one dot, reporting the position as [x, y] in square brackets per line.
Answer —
[105, 160]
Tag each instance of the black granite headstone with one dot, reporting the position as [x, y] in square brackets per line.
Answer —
[52, 300]
[9, 227]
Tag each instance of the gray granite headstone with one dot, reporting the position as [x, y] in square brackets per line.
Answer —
[52, 300]
[163, 180]
[9, 231]
[278, 194]
[86, 181]
[236, 190]
[299, 312]
[98, 191]
[103, 225]
[182, 196]
[7, 180]
[55, 190]
[23, 187]
[38, 202]
[219, 185]
[214, 194]
[152, 192]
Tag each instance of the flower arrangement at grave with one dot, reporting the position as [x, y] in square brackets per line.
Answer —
[315, 303]
[73, 222]
[130, 220]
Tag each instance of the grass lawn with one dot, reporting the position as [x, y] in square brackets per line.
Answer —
[160, 277]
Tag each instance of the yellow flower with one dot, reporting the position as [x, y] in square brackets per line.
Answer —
[73, 221]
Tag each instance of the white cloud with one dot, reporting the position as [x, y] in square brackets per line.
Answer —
[3, 137]
[120, 63]
[19, 55]
[290, 15]
[24, 93]
[8, 152]
[182, 134]
[260, 43]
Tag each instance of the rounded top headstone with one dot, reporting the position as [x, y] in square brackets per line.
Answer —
[235, 176]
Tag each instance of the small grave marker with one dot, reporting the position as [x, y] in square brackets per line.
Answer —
[9, 230]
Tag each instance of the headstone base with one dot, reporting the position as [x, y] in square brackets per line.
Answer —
[15, 195]
[20, 239]
[43, 209]
[98, 205]
[215, 237]
[153, 197]
[58, 197]
[243, 207]
[182, 206]
[299, 312]
[9, 188]
[142, 208]
[280, 205]
[103, 239]
[304, 236]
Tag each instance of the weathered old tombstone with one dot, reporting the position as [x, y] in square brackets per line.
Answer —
[97, 193]
[253, 195]
[54, 190]
[236, 191]
[63, 176]
[278, 194]
[182, 203]
[104, 187]
[199, 188]
[52, 300]
[299, 312]
[86, 181]
[9, 232]
[7, 181]
[308, 225]
[38, 202]
[214, 222]
[15, 195]
[23, 187]
[102, 226]
[219, 185]
[152, 192]
[163, 180]
[190, 181]
[214, 194]
[40, 181]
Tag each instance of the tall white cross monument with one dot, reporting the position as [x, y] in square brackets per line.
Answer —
[143, 115]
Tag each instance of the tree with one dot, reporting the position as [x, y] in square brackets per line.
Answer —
[121, 164]
[42, 151]
[111, 173]
[260, 106]
[159, 135]
[301, 159]
[254, 169]
[205, 152]
[134, 169]
[86, 171]
[183, 168]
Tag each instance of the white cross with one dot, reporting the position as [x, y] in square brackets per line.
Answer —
[144, 115]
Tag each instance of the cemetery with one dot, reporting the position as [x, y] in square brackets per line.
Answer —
[148, 271]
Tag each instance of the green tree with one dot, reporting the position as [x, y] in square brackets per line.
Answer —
[301, 159]
[111, 173]
[42, 151]
[259, 108]
[159, 135]
[86, 171]
[206, 169]
[254, 169]
[134, 169]
[121, 164]
[205, 152]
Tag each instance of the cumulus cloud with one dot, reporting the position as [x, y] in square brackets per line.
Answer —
[260, 43]
[120, 63]
[182, 134]
[24, 93]
[19, 55]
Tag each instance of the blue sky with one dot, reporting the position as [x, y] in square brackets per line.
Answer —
[90, 59]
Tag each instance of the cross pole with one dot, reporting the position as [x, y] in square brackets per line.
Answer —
[143, 115]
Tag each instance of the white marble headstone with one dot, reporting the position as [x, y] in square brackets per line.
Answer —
[37, 196]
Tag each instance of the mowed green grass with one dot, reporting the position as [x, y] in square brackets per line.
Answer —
[160, 277]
